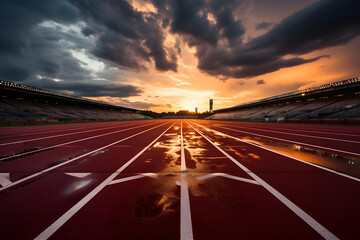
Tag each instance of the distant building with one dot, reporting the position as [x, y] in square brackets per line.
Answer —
[211, 103]
[196, 110]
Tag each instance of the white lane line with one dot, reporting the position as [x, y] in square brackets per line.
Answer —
[72, 211]
[76, 158]
[67, 143]
[50, 131]
[121, 180]
[182, 154]
[302, 135]
[297, 130]
[296, 159]
[227, 176]
[5, 179]
[78, 175]
[345, 131]
[186, 232]
[59, 135]
[292, 206]
[300, 143]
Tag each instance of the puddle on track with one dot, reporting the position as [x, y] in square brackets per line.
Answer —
[342, 163]
[162, 195]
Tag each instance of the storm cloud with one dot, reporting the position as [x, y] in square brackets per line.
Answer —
[263, 25]
[318, 26]
[89, 88]
[127, 37]
[41, 38]
[37, 49]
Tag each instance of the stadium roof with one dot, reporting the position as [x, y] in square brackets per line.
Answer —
[39, 91]
[348, 83]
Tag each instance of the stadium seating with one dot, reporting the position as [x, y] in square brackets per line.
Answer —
[325, 108]
[18, 109]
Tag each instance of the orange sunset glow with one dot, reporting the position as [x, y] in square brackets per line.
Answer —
[176, 55]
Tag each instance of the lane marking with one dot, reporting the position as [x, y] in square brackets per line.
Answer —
[292, 206]
[33, 132]
[300, 143]
[296, 159]
[76, 158]
[225, 175]
[330, 131]
[297, 130]
[186, 232]
[67, 143]
[302, 135]
[78, 175]
[121, 180]
[182, 154]
[59, 135]
[72, 211]
[5, 179]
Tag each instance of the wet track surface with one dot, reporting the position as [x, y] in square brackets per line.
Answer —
[187, 179]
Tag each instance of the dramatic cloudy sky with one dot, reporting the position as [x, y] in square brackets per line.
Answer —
[166, 55]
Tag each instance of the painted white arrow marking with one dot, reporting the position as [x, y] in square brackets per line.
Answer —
[5, 179]
[152, 175]
[227, 176]
[78, 175]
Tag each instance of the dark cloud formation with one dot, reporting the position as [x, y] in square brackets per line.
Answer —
[318, 26]
[263, 25]
[323, 24]
[127, 37]
[35, 49]
[26, 48]
[193, 19]
[39, 39]
[97, 88]
[18, 17]
[260, 81]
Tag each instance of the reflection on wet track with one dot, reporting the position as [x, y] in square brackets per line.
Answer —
[187, 182]
[339, 162]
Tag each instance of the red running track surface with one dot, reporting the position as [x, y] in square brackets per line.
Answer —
[171, 179]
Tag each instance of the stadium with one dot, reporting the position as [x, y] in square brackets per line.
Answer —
[336, 102]
[20, 102]
[179, 119]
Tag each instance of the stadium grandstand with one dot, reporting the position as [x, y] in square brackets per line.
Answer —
[336, 102]
[20, 102]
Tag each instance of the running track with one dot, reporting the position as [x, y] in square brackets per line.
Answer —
[171, 179]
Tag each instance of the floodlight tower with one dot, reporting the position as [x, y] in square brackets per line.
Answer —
[211, 103]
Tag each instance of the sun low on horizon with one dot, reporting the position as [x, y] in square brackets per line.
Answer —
[167, 56]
